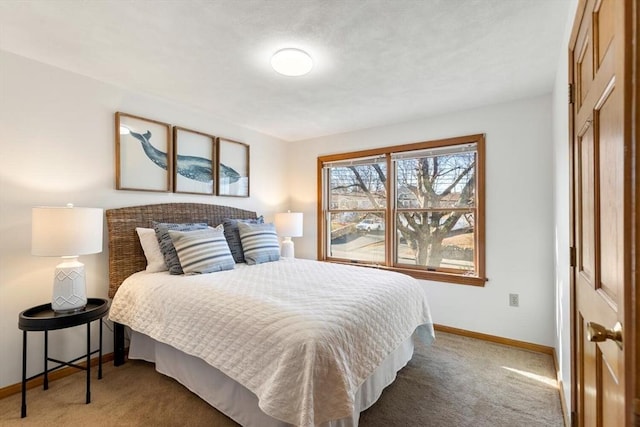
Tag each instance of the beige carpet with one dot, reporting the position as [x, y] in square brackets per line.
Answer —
[458, 381]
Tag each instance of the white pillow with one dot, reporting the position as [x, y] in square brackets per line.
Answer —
[151, 248]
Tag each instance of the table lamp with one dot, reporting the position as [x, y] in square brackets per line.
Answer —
[288, 225]
[67, 232]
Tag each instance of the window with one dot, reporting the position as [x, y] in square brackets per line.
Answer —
[416, 208]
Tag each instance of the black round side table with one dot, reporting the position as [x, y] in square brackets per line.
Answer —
[43, 318]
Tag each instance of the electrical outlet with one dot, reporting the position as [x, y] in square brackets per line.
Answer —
[514, 300]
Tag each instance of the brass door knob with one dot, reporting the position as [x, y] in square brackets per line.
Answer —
[598, 333]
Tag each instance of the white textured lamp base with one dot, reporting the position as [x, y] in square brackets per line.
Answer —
[287, 250]
[69, 290]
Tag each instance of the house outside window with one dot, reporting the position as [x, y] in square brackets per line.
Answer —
[415, 208]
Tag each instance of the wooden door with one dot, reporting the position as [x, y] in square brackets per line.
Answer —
[602, 242]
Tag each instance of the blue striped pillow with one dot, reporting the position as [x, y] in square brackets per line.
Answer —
[259, 243]
[202, 251]
[166, 245]
[233, 235]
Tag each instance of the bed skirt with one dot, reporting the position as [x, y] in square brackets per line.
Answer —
[236, 401]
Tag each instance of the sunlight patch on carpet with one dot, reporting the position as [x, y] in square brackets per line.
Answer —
[545, 380]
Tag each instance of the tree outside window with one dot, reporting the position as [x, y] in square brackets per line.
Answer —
[415, 208]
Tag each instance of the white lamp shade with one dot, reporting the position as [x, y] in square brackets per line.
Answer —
[66, 231]
[289, 224]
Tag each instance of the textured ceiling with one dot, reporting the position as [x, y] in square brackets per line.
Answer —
[377, 62]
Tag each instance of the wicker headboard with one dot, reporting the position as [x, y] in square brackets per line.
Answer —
[125, 253]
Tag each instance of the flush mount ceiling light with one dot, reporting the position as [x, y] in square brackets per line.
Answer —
[291, 62]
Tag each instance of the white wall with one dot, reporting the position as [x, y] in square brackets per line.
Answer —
[562, 338]
[57, 146]
[519, 213]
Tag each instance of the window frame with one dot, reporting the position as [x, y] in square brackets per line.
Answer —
[391, 210]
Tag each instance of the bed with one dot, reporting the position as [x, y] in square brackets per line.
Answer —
[288, 342]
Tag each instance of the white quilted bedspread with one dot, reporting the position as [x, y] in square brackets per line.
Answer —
[301, 335]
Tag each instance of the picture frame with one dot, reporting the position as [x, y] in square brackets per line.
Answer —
[233, 168]
[194, 162]
[144, 154]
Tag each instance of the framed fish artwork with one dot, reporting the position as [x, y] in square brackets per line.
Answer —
[233, 168]
[144, 154]
[194, 160]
